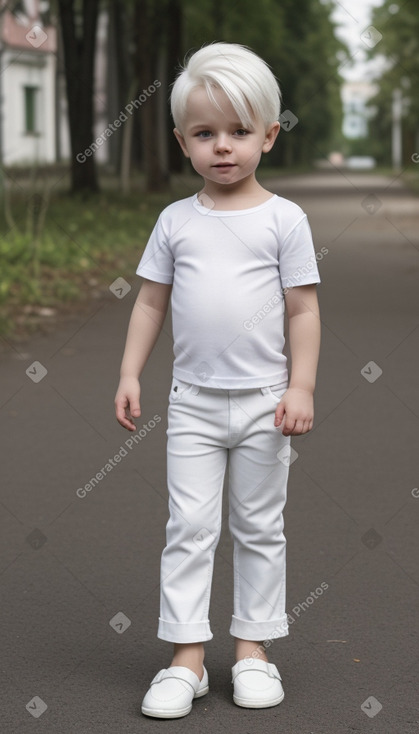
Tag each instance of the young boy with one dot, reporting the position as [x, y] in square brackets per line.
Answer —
[231, 258]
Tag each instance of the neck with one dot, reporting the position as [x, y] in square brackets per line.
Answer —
[245, 189]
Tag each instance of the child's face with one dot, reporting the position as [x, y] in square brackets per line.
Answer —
[220, 148]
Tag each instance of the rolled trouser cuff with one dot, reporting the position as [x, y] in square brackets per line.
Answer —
[184, 632]
[247, 630]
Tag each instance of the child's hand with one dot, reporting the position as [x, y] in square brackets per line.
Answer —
[294, 414]
[127, 402]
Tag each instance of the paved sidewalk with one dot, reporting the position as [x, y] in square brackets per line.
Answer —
[79, 573]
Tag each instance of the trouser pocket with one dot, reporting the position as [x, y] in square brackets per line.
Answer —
[180, 389]
[276, 391]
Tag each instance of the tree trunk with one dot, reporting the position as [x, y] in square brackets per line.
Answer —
[218, 19]
[148, 29]
[126, 151]
[174, 52]
[79, 53]
[119, 73]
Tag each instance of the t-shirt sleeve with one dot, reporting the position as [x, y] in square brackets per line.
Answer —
[297, 258]
[157, 260]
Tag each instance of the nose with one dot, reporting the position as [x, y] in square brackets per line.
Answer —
[222, 143]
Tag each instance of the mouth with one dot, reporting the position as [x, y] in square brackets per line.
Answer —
[224, 165]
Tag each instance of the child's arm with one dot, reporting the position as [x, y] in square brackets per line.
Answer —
[296, 410]
[144, 328]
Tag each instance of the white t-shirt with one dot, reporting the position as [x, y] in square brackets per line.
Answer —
[228, 270]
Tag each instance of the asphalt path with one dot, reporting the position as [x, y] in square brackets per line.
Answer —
[79, 574]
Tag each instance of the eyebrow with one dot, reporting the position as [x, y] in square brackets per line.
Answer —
[199, 127]
[206, 125]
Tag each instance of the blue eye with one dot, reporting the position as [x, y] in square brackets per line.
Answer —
[204, 134]
[241, 132]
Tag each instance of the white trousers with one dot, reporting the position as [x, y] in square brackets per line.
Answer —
[205, 427]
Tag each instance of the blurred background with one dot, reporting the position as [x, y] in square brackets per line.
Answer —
[87, 162]
[85, 125]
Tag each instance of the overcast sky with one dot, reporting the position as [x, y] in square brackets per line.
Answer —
[352, 18]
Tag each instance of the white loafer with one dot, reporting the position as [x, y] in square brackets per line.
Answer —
[172, 691]
[257, 684]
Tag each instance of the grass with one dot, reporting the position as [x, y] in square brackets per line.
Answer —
[82, 245]
[411, 179]
[55, 260]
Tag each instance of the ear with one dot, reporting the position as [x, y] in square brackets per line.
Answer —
[181, 140]
[270, 136]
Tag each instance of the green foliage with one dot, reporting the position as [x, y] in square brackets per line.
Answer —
[82, 242]
[51, 258]
[399, 26]
[301, 48]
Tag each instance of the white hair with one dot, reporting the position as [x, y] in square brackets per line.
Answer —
[245, 78]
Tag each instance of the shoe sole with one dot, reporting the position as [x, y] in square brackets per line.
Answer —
[249, 704]
[175, 713]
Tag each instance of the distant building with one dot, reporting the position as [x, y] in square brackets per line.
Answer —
[355, 97]
[33, 113]
[27, 84]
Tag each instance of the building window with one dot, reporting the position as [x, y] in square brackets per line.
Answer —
[30, 94]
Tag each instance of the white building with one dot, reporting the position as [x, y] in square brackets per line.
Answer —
[33, 112]
[355, 97]
[27, 91]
